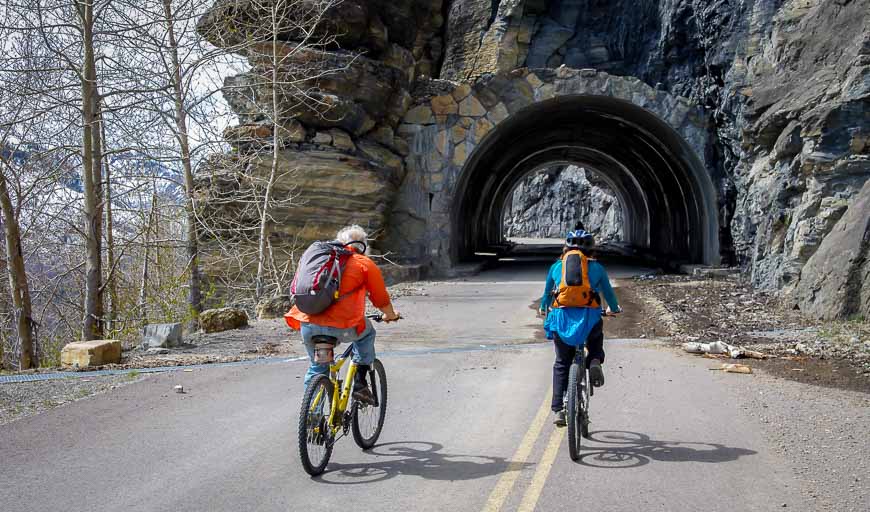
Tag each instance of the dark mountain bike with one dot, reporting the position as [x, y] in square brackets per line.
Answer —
[580, 391]
[577, 403]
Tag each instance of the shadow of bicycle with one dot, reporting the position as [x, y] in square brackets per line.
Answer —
[624, 450]
[417, 458]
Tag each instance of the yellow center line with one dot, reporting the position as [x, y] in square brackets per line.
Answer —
[533, 493]
[503, 488]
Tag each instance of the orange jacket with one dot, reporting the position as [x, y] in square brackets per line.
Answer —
[361, 277]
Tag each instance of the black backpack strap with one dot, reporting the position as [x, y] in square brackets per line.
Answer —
[339, 253]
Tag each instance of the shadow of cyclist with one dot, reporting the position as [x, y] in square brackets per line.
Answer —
[417, 458]
[630, 450]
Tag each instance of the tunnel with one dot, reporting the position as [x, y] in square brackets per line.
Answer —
[668, 200]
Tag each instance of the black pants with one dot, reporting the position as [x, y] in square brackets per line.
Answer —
[565, 356]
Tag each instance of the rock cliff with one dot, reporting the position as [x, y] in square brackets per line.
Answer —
[550, 203]
[784, 86]
[341, 88]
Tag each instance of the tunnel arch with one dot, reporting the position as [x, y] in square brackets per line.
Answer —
[665, 193]
[469, 145]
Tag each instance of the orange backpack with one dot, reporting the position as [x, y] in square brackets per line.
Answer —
[574, 289]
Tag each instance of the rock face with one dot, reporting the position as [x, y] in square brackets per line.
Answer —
[222, 319]
[319, 190]
[550, 203]
[835, 282]
[342, 86]
[783, 89]
[786, 86]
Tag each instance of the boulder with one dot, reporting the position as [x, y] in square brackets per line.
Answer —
[83, 354]
[161, 335]
[274, 307]
[222, 319]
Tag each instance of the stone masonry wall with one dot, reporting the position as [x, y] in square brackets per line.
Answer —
[451, 120]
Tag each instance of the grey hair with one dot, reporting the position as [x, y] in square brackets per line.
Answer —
[352, 233]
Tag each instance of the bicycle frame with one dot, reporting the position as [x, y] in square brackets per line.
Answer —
[341, 398]
[580, 358]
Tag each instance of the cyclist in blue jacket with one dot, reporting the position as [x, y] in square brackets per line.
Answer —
[570, 325]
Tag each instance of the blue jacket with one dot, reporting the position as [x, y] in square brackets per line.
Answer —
[573, 325]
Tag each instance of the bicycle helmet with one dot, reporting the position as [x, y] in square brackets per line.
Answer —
[579, 239]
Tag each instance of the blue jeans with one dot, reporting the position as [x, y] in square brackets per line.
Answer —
[363, 345]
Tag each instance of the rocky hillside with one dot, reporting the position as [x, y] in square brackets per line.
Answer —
[787, 88]
[341, 90]
[785, 85]
[550, 203]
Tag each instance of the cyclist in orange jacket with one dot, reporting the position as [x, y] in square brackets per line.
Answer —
[345, 319]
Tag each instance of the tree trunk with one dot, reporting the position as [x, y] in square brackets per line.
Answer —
[143, 287]
[273, 168]
[92, 322]
[194, 297]
[112, 282]
[18, 284]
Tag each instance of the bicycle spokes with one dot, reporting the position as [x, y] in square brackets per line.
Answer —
[315, 434]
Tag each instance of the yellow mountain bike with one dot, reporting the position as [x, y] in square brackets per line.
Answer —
[329, 412]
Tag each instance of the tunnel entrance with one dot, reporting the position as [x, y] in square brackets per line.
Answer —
[666, 200]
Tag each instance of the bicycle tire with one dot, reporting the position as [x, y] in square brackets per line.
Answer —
[313, 467]
[378, 381]
[572, 413]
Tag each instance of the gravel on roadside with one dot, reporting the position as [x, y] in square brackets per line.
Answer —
[22, 399]
[820, 432]
[704, 309]
[264, 338]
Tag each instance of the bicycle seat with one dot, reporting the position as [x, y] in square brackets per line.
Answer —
[322, 338]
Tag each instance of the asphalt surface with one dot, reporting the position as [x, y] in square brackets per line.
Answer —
[465, 430]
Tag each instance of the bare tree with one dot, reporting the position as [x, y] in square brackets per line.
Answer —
[168, 56]
[18, 284]
[183, 134]
[117, 113]
[92, 166]
[84, 39]
[23, 175]
[286, 45]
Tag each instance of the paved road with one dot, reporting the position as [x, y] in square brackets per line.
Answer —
[466, 430]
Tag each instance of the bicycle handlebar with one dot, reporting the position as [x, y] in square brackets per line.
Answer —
[379, 317]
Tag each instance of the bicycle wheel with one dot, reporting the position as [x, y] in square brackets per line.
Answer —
[368, 420]
[315, 443]
[572, 413]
